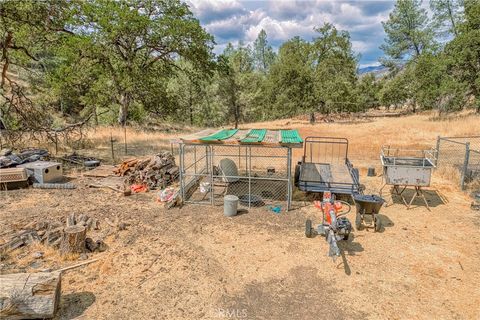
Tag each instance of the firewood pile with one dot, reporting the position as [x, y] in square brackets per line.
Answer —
[158, 171]
[52, 233]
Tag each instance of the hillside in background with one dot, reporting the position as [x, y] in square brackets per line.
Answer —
[377, 71]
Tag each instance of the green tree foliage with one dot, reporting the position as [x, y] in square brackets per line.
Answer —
[447, 15]
[368, 92]
[263, 53]
[289, 88]
[397, 91]
[434, 86]
[445, 79]
[140, 39]
[29, 32]
[464, 52]
[238, 81]
[97, 55]
[407, 29]
[66, 62]
[334, 70]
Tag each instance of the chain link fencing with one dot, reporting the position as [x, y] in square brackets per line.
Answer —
[259, 176]
[459, 159]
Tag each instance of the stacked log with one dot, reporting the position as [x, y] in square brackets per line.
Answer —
[47, 232]
[158, 171]
[29, 295]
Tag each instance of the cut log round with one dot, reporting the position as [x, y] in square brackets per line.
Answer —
[29, 295]
[73, 240]
[71, 220]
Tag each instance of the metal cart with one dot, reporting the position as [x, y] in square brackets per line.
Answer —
[325, 167]
[404, 168]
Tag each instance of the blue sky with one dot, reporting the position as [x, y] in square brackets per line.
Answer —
[235, 20]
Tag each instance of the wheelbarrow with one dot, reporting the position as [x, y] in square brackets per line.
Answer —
[368, 205]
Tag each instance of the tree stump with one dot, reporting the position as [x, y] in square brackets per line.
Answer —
[73, 240]
[29, 295]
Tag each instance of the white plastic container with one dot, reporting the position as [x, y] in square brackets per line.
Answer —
[230, 205]
[44, 171]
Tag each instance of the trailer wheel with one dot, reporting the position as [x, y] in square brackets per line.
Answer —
[358, 221]
[378, 222]
[308, 228]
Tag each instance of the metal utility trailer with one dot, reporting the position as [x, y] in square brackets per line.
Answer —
[325, 167]
[407, 168]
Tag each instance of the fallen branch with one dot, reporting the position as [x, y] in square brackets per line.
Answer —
[124, 192]
[77, 265]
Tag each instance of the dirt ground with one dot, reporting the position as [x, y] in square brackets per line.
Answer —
[194, 263]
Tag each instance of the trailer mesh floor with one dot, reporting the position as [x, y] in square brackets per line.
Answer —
[324, 172]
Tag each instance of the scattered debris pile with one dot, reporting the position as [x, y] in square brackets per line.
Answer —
[53, 233]
[10, 159]
[78, 159]
[170, 197]
[157, 171]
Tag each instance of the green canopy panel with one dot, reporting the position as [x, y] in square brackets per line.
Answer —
[290, 136]
[246, 136]
[255, 135]
[221, 135]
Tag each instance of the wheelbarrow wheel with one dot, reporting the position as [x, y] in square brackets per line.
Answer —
[378, 223]
[358, 221]
[308, 228]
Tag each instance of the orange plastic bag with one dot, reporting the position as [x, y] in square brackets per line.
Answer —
[138, 188]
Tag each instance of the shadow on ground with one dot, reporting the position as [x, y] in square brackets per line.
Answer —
[348, 248]
[434, 198]
[301, 294]
[73, 305]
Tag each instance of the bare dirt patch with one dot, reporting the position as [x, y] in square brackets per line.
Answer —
[194, 263]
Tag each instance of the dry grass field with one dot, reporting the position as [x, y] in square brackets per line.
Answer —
[194, 263]
[366, 135]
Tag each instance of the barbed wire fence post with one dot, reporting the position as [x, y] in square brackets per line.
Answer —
[465, 164]
[437, 150]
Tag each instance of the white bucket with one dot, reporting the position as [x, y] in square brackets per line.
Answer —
[204, 187]
[230, 205]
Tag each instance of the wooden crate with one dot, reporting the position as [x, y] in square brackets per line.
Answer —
[13, 175]
[13, 178]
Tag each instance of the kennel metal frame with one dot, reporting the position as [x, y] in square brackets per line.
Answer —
[404, 168]
[199, 162]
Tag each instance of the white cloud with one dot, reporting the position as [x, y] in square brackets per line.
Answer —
[279, 30]
[232, 21]
[210, 10]
[360, 46]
